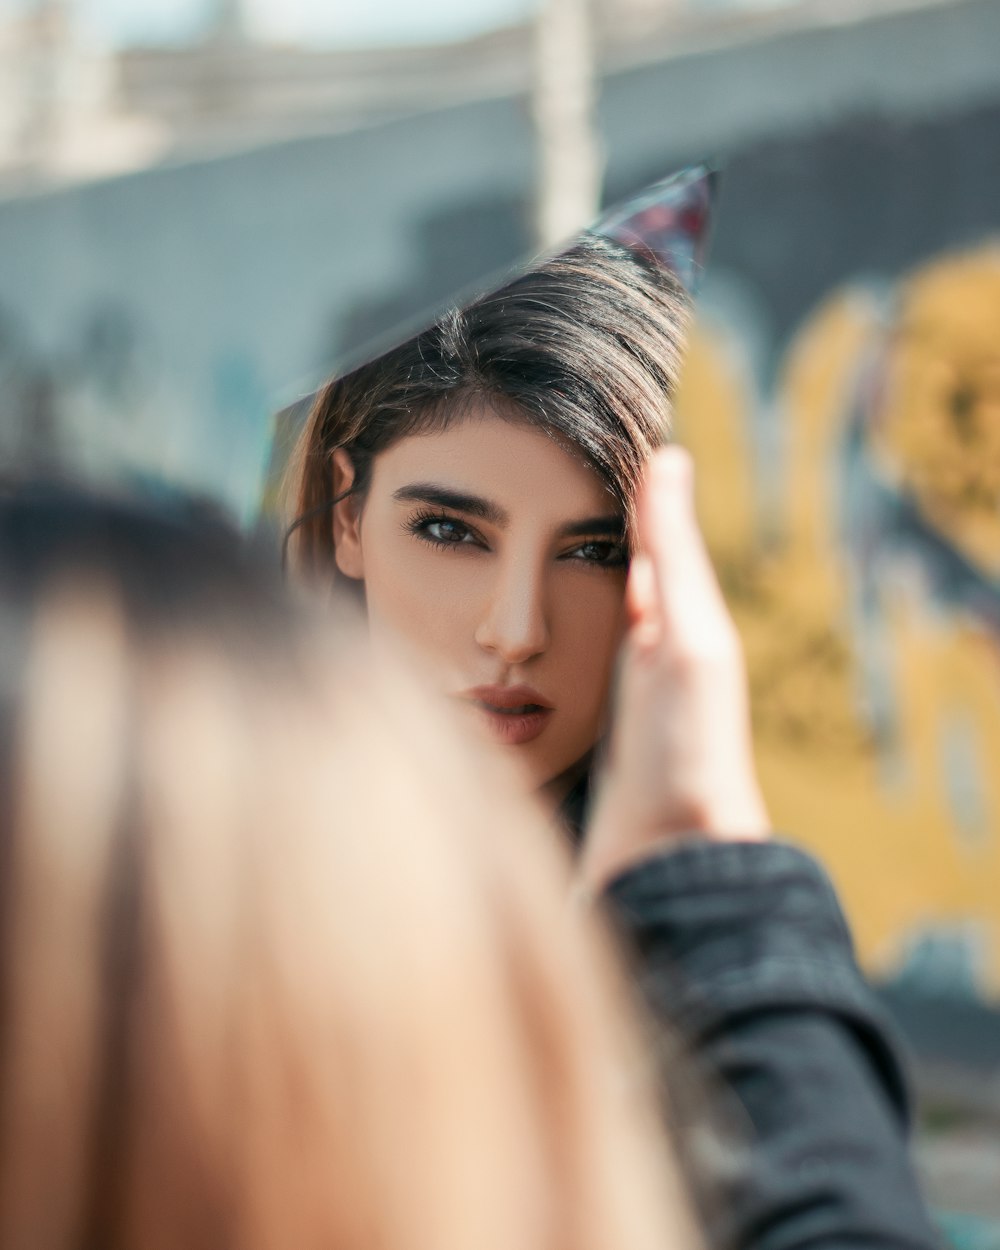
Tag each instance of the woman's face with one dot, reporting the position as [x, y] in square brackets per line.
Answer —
[498, 555]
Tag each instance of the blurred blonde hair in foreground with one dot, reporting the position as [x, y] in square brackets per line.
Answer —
[274, 974]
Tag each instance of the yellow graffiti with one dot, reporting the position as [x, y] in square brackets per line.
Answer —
[939, 427]
[907, 855]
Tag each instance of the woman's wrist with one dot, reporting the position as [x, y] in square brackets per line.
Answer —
[607, 856]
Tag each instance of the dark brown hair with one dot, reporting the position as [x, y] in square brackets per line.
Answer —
[585, 347]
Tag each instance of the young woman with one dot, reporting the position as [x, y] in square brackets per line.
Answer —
[478, 483]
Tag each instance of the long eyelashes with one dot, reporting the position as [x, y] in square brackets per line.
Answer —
[605, 555]
[462, 535]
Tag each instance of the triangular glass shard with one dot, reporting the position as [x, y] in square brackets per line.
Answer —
[667, 223]
[147, 342]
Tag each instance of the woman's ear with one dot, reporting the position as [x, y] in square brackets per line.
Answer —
[346, 519]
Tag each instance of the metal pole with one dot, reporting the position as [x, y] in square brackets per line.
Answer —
[570, 164]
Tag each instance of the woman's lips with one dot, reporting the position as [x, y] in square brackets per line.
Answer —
[513, 714]
[514, 728]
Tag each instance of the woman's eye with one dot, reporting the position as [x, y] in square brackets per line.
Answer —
[443, 531]
[609, 554]
[447, 531]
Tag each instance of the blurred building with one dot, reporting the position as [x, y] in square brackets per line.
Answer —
[75, 110]
[62, 114]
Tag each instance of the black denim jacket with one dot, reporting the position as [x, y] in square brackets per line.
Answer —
[742, 948]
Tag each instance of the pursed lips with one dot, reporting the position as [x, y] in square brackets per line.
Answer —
[509, 700]
[513, 715]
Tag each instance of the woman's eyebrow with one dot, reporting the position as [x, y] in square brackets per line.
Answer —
[443, 497]
[612, 526]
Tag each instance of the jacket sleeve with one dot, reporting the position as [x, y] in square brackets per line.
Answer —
[742, 950]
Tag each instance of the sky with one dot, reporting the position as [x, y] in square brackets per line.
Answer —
[325, 22]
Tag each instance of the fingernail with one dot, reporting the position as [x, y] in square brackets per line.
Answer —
[641, 587]
[673, 471]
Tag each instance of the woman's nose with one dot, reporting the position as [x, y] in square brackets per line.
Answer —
[514, 624]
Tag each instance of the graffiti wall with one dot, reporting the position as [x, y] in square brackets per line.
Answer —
[852, 507]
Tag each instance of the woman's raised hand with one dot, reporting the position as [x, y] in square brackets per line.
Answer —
[681, 761]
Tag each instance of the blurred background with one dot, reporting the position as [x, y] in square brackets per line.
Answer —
[205, 205]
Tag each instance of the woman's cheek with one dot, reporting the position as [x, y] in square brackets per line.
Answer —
[424, 601]
[596, 623]
[593, 630]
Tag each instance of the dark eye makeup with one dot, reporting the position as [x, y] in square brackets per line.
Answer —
[602, 552]
[443, 531]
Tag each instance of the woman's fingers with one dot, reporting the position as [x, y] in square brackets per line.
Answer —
[681, 753]
[688, 600]
[642, 602]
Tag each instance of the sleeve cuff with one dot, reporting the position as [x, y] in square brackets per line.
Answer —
[724, 930]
